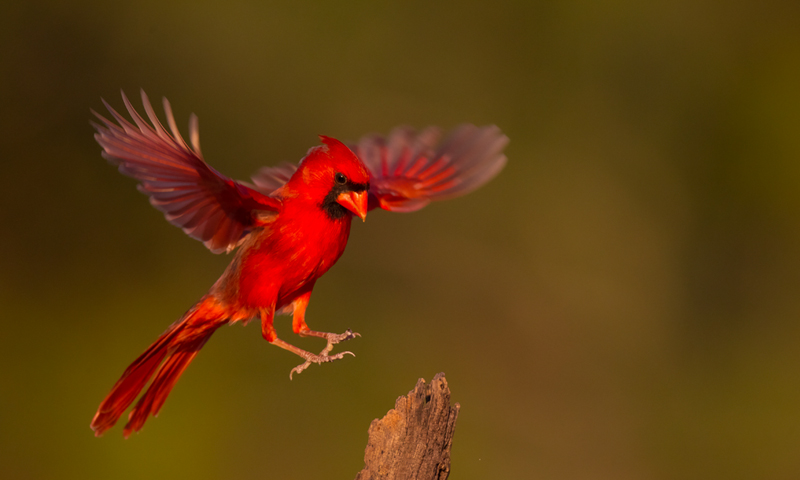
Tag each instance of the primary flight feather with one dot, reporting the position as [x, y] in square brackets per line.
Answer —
[289, 226]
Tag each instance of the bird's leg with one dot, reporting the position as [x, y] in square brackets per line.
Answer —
[308, 356]
[299, 326]
[268, 331]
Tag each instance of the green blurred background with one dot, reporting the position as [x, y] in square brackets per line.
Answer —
[621, 302]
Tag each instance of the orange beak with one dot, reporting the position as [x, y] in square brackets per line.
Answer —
[356, 202]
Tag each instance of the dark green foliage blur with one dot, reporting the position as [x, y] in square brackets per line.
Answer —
[621, 302]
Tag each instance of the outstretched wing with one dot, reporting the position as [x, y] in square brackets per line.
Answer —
[193, 196]
[408, 170]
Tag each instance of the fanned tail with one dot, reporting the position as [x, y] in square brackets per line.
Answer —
[167, 358]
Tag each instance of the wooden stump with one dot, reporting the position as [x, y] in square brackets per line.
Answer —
[413, 440]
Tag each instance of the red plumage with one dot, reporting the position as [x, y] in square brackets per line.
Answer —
[290, 226]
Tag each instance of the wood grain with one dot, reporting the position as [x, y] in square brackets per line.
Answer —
[413, 440]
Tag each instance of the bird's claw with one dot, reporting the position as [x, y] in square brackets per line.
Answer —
[347, 335]
[323, 357]
[334, 338]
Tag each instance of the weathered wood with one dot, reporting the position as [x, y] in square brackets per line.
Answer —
[413, 440]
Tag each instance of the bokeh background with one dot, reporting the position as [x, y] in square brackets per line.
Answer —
[621, 302]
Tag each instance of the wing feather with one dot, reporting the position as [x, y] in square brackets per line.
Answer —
[408, 170]
[269, 179]
[193, 196]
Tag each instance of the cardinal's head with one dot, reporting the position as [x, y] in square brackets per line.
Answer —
[334, 178]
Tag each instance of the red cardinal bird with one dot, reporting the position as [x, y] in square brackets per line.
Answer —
[290, 227]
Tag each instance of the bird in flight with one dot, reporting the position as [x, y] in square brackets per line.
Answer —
[289, 225]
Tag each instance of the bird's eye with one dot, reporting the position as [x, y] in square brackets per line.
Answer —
[340, 178]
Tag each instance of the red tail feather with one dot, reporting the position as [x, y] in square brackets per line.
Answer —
[176, 348]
